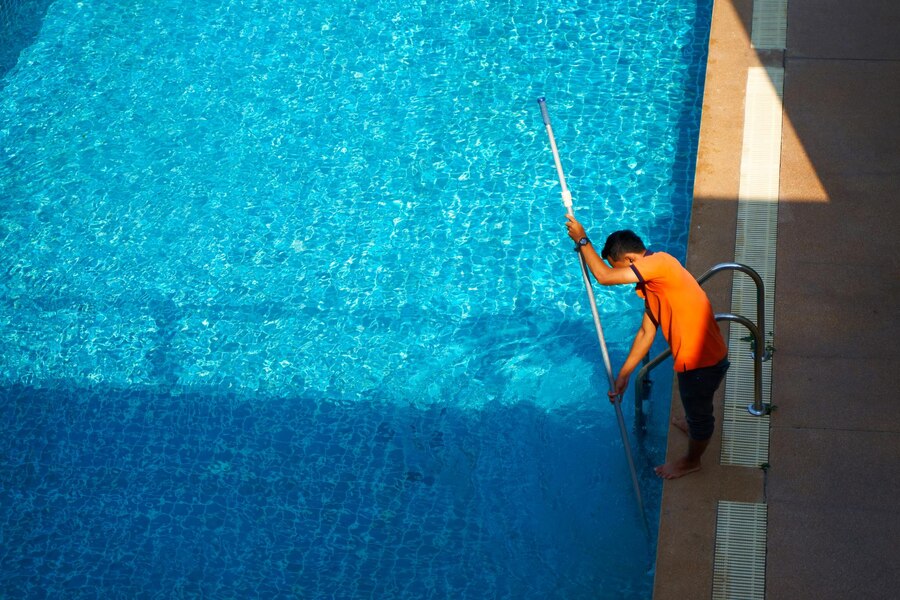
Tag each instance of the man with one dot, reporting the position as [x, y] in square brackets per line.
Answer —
[675, 302]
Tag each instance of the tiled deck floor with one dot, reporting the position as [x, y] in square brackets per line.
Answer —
[831, 490]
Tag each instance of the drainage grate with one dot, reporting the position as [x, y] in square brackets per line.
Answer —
[761, 146]
[769, 25]
[739, 570]
[745, 438]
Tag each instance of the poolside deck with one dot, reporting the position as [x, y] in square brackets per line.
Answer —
[830, 493]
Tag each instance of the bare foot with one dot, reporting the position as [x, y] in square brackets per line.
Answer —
[677, 468]
[680, 423]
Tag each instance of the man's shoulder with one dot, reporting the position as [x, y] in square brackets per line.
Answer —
[658, 263]
[660, 255]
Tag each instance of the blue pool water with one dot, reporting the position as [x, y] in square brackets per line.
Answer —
[286, 303]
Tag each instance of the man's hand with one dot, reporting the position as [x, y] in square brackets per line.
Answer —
[621, 386]
[576, 230]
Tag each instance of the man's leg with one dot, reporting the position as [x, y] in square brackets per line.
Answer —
[688, 463]
[697, 389]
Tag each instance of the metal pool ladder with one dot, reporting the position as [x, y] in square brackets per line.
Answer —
[760, 351]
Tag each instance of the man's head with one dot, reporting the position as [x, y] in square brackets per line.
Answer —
[620, 244]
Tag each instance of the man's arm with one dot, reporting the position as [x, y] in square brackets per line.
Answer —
[639, 349]
[603, 273]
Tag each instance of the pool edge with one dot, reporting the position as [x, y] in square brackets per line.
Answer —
[686, 549]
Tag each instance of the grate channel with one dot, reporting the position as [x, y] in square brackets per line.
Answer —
[745, 438]
[769, 25]
[739, 570]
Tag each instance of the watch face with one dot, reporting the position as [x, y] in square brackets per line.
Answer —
[583, 241]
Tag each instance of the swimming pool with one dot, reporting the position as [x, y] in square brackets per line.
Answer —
[287, 305]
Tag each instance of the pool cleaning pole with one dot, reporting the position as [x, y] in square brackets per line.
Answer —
[567, 202]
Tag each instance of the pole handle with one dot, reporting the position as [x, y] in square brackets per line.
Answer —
[542, 102]
[566, 194]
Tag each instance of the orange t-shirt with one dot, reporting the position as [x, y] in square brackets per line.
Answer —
[678, 305]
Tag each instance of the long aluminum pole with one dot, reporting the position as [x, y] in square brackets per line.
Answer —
[617, 402]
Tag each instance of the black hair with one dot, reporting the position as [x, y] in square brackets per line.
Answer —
[621, 242]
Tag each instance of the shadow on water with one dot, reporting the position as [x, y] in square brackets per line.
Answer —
[20, 23]
[188, 492]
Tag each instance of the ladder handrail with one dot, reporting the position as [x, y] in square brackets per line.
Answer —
[760, 354]
[760, 295]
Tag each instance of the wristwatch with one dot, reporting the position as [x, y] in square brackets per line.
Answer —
[581, 243]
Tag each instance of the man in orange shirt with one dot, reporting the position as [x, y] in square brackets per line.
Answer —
[675, 303]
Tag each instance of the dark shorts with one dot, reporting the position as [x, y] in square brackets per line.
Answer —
[697, 388]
